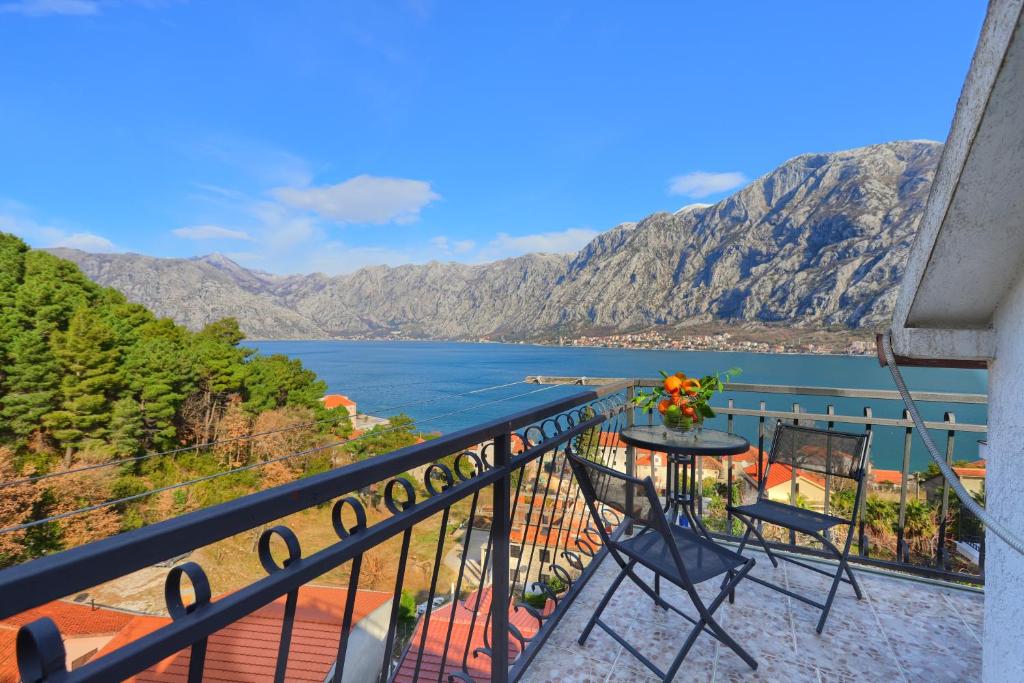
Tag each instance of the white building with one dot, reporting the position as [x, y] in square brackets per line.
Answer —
[962, 298]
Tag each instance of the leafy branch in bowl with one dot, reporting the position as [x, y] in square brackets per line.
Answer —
[684, 402]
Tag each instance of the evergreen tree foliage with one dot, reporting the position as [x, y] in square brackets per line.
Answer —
[31, 385]
[90, 363]
[12, 272]
[126, 428]
[160, 374]
[277, 381]
[86, 371]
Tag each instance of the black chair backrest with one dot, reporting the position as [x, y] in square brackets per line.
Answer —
[822, 451]
[632, 497]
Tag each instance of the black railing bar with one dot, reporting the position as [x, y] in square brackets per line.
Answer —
[540, 521]
[247, 437]
[840, 392]
[889, 568]
[55, 576]
[526, 525]
[438, 559]
[551, 623]
[458, 583]
[136, 656]
[245, 468]
[852, 419]
[396, 597]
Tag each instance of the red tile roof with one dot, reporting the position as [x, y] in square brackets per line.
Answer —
[894, 477]
[72, 618]
[247, 649]
[332, 401]
[783, 474]
[969, 471]
[460, 615]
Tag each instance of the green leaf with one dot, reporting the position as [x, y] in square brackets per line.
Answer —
[705, 410]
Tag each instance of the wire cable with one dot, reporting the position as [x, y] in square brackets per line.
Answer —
[244, 468]
[947, 472]
[235, 439]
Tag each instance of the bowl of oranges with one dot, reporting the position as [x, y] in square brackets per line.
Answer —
[684, 402]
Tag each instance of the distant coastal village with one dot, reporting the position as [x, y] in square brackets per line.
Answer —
[722, 341]
[750, 340]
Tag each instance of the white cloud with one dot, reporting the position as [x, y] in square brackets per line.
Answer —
[16, 218]
[564, 242]
[46, 8]
[86, 241]
[702, 184]
[210, 232]
[363, 199]
[447, 246]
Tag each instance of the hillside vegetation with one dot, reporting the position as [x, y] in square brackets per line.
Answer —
[87, 377]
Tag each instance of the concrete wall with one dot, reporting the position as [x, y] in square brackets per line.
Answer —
[366, 647]
[1003, 656]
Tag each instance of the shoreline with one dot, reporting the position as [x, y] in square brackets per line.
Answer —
[561, 346]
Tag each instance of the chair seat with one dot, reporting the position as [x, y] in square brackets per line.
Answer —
[702, 558]
[789, 516]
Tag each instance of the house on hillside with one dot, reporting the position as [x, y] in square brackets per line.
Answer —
[885, 480]
[972, 476]
[246, 650]
[86, 629]
[809, 487]
[332, 401]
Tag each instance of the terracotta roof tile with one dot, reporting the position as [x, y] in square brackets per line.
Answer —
[463, 640]
[73, 619]
[894, 477]
[332, 401]
[247, 649]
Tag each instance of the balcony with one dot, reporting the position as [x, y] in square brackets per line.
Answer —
[903, 630]
[441, 520]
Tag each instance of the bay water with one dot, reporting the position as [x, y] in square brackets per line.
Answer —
[429, 382]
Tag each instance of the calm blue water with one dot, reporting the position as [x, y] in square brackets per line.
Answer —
[382, 375]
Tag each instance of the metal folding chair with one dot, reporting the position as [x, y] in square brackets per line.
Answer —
[822, 452]
[672, 552]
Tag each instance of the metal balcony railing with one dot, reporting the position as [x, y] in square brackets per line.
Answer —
[505, 479]
[922, 537]
[500, 497]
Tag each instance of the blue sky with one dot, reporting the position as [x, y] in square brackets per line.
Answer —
[326, 136]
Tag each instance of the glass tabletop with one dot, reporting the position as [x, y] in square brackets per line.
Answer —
[703, 442]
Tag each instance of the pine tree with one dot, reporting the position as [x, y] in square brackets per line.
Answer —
[89, 360]
[12, 271]
[159, 372]
[126, 427]
[32, 382]
[52, 290]
[277, 381]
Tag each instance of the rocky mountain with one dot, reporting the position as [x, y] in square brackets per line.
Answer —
[820, 241]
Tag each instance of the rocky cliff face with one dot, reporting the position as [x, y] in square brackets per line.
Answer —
[820, 241]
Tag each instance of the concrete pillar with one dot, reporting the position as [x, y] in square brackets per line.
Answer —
[1003, 656]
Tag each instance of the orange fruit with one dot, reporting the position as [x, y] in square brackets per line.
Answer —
[689, 411]
[680, 375]
[673, 384]
[691, 386]
[663, 406]
[678, 401]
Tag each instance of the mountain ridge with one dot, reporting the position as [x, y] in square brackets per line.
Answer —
[820, 241]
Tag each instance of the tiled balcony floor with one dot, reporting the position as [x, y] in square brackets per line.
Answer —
[902, 631]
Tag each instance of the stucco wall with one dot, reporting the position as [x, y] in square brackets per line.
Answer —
[1003, 655]
[366, 647]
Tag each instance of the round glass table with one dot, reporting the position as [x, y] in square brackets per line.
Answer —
[683, 449]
